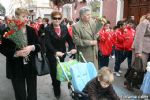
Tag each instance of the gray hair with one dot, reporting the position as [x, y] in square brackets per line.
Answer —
[84, 10]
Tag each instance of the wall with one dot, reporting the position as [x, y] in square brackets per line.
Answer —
[110, 10]
[75, 13]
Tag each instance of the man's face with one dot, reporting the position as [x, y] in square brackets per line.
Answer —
[40, 20]
[132, 17]
[86, 16]
[130, 25]
[107, 26]
[44, 22]
[7, 19]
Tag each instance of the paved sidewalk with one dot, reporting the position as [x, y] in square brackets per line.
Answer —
[45, 90]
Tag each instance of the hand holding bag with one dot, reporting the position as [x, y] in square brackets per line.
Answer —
[138, 64]
[41, 63]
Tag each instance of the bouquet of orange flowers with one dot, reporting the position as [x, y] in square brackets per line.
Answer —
[16, 33]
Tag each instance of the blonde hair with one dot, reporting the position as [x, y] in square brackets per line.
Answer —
[148, 16]
[105, 74]
[142, 18]
[19, 11]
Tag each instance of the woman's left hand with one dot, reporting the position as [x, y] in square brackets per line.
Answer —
[73, 51]
[29, 49]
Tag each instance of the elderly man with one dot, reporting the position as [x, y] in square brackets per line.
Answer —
[85, 35]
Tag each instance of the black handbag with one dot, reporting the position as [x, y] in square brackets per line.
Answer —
[138, 64]
[136, 74]
[41, 63]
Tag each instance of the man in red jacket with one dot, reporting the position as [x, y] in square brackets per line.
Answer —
[124, 39]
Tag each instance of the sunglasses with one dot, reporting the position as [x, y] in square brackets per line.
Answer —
[56, 18]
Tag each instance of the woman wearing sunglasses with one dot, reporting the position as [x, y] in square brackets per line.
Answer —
[56, 37]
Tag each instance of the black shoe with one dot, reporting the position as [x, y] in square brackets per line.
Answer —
[136, 86]
[57, 92]
[128, 86]
[57, 97]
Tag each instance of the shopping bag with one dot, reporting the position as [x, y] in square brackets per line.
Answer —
[66, 69]
[41, 62]
[81, 74]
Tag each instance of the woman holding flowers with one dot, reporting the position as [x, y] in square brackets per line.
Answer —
[19, 45]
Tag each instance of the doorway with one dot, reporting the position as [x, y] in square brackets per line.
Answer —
[136, 8]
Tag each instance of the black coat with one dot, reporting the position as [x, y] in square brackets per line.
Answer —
[41, 31]
[14, 66]
[55, 43]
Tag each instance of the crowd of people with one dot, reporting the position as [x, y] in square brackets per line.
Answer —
[94, 37]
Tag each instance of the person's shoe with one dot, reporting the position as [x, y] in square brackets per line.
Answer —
[57, 97]
[136, 86]
[125, 83]
[128, 86]
[120, 72]
[117, 74]
[57, 92]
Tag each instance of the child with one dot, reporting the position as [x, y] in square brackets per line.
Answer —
[145, 88]
[105, 45]
[100, 87]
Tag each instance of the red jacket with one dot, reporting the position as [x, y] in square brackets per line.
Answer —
[105, 42]
[124, 39]
[119, 45]
[36, 27]
[70, 30]
[129, 37]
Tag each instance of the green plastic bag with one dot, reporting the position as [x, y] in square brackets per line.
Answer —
[66, 66]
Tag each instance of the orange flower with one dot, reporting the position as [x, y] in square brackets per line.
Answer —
[8, 33]
[15, 34]
[19, 23]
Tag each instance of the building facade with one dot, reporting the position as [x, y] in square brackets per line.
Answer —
[115, 10]
[36, 7]
[136, 8]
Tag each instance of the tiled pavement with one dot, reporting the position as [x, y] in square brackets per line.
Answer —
[45, 88]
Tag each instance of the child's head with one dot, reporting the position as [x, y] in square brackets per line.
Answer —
[105, 76]
[107, 25]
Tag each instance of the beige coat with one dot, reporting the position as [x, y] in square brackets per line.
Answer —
[82, 35]
[141, 42]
